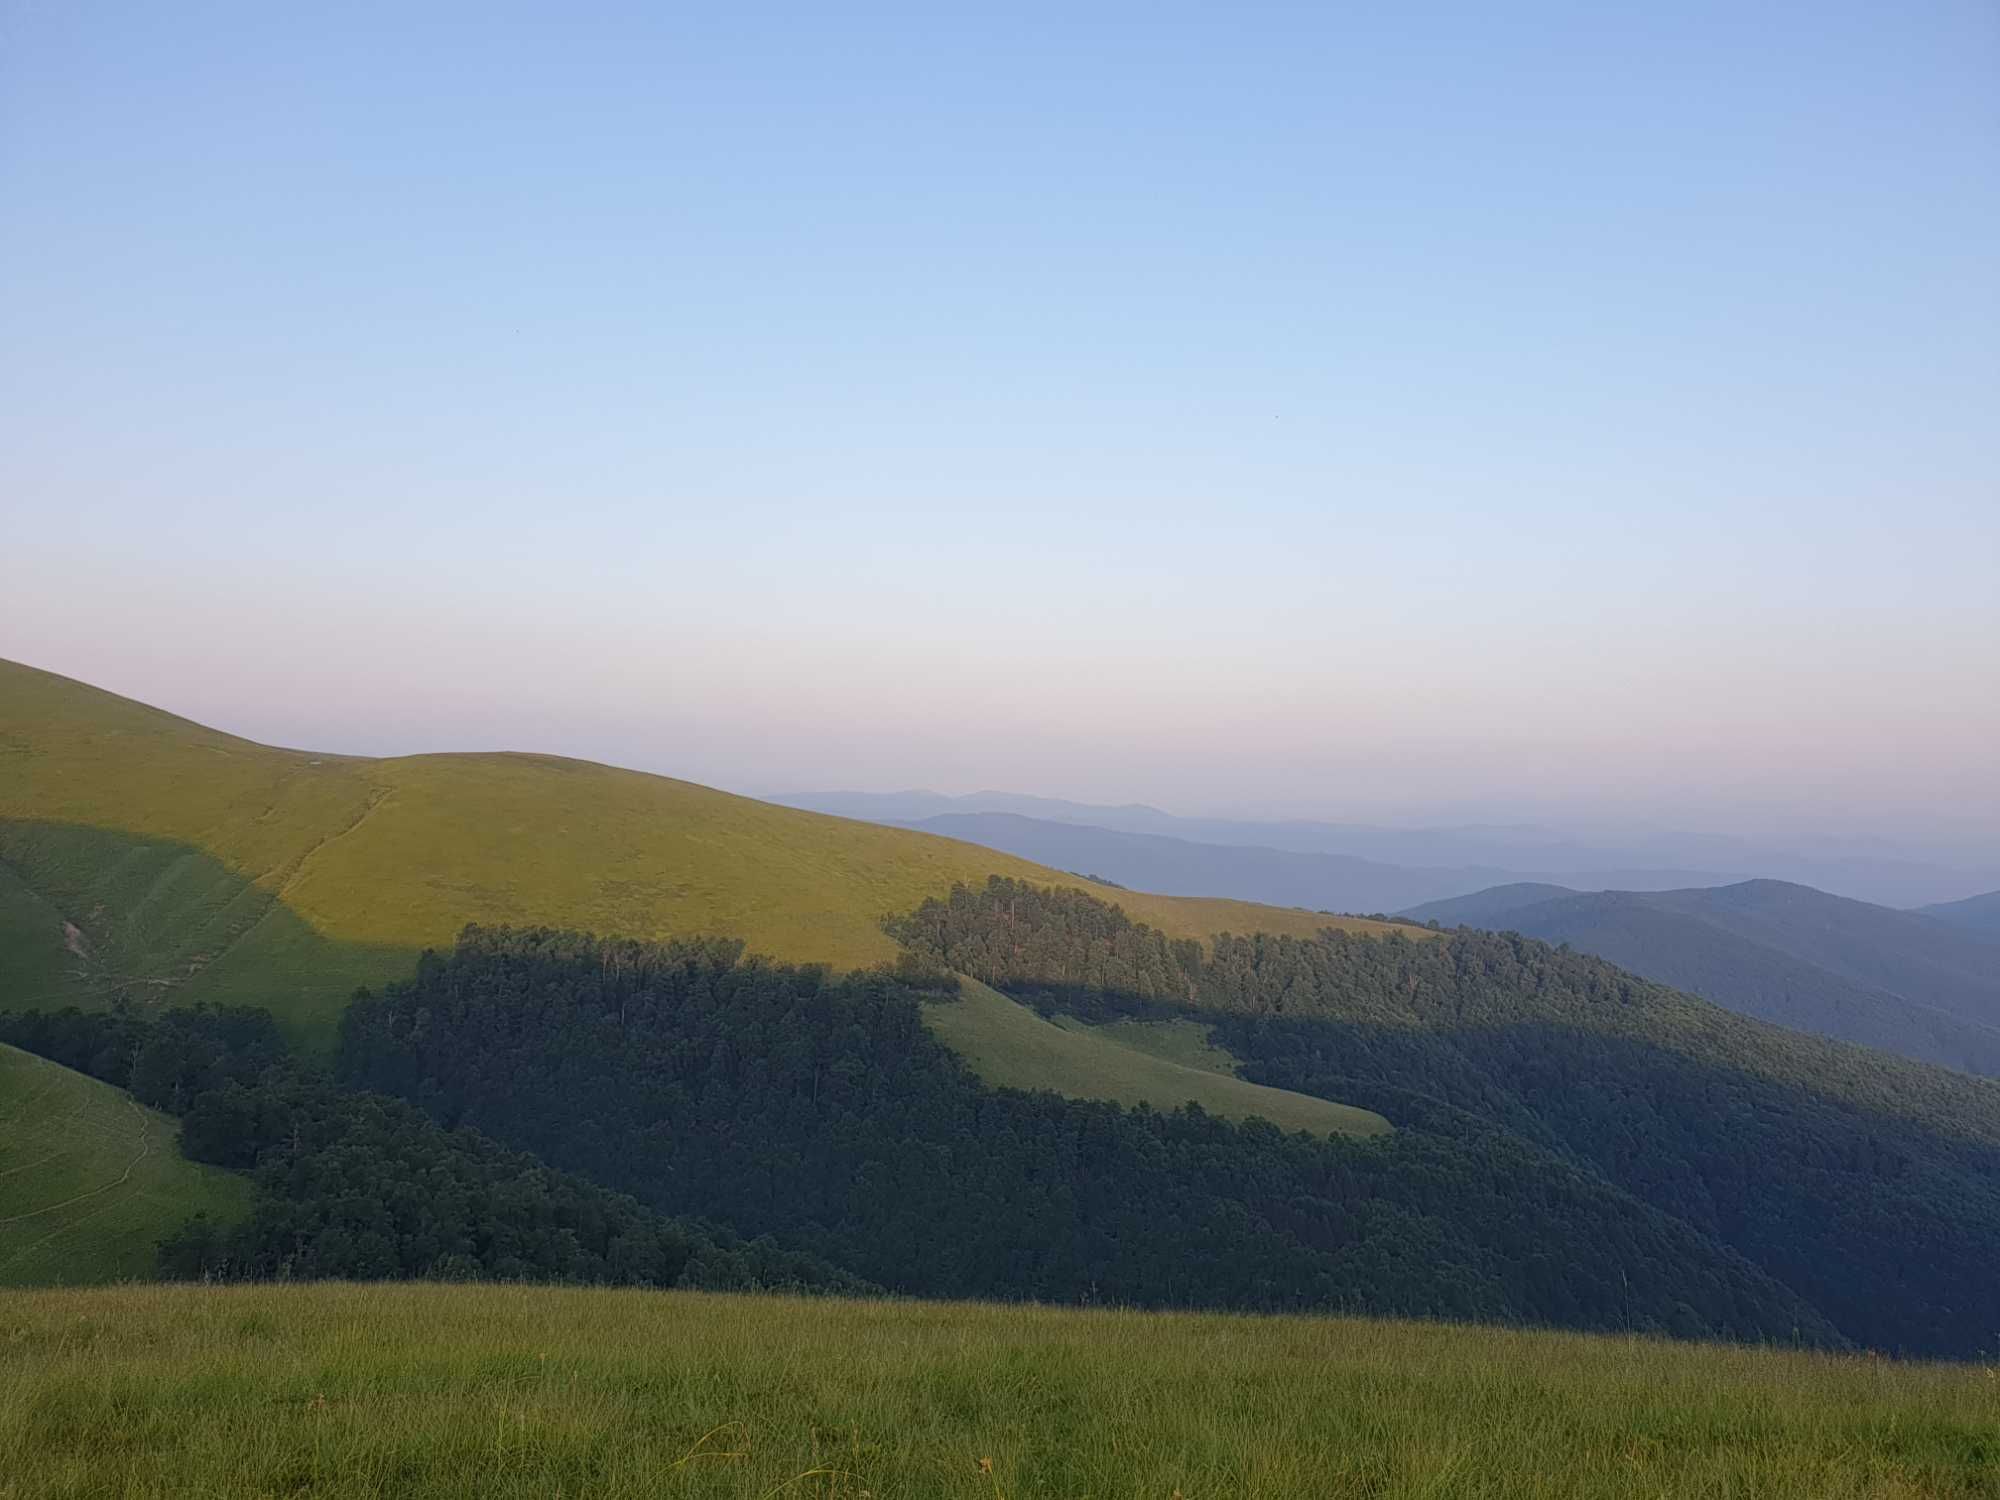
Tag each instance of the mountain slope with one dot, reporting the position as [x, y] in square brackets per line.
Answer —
[1867, 1184]
[1782, 953]
[1981, 914]
[1955, 971]
[147, 856]
[826, 1115]
[1485, 908]
[89, 1180]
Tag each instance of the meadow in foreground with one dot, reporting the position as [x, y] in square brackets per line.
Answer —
[460, 1390]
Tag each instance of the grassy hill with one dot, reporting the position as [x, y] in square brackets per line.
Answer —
[1128, 1062]
[509, 1391]
[89, 1180]
[145, 855]
[1900, 981]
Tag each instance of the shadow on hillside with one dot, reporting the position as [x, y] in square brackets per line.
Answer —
[1886, 1218]
[93, 915]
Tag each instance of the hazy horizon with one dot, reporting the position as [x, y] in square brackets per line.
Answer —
[1576, 416]
[1661, 844]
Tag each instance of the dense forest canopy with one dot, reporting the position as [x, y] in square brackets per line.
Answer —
[1868, 1184]
[821, 1112]
[1574, 1146]
[1783, 953]
[362, 1187]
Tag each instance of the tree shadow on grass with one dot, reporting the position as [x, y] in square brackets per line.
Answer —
[90, 916]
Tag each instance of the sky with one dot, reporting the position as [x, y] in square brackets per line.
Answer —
[1412, 412]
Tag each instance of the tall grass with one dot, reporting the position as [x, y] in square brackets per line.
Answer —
[504, 1391]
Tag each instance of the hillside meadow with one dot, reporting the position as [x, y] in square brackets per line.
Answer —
[143, 855]
[434, 1390]
[90, 1180]
[1163, 1063]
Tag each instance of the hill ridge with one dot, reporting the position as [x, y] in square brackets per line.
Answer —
[205, 864]
[1784, 952]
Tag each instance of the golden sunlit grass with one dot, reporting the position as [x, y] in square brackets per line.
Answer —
[340, 1390]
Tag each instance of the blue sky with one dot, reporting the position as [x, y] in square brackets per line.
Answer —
[1371, 411]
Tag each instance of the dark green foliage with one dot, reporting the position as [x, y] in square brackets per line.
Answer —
[1867, 1184]
[362, 1187]
[822, 1112]
[165, 1062]
[1782, 953]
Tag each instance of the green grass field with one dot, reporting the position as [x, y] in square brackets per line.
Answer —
[144, 855]
[339, 1390]
[89, 1180]
[1164, 1064]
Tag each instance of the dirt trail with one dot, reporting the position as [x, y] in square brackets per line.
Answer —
[146, 1144]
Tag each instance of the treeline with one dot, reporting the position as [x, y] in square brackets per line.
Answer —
[820, 1111]
[357, 1186]
[1868, 1184]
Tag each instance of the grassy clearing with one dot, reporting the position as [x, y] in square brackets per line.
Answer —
[1129, 1062]
[1189, 1043]
[195, 865]
[499, 1391]
[89, 1180]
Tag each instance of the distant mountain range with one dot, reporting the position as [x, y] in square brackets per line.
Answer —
[1153, 862]
[1378, 866]
[1924, 984]
[1569, 1143]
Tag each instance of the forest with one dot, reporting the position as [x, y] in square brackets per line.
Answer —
[819, 1111]
[1574, 1147]
[1868, 1184]
[356, 1186]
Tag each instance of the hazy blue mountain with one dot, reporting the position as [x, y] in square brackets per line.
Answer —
[1978, 913]
[1181, 867]
[1486, 908]
[1785, 953]
[1632, 859]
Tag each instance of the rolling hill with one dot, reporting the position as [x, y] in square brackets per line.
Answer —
[1978, 913]
[145, 856]
[1572, 1144]
[1789, 954]
[1867, 1184]
[89, 1180]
